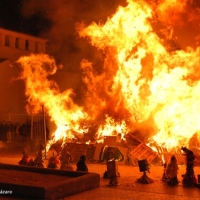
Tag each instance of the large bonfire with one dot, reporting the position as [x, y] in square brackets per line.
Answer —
[149, 86]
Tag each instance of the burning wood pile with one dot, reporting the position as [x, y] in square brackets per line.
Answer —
[134, 149]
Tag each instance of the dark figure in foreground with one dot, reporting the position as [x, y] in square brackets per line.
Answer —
[189, 179]
[81, 165]
[172, 171]
[66, 159]
[53, 162]
[38, 161]
[25, 158]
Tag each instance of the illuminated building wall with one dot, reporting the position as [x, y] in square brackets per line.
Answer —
[13, 45]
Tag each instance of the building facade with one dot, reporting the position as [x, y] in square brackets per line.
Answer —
[13, 45]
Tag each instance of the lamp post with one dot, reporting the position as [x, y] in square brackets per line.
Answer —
[31, 126]
[44, 124]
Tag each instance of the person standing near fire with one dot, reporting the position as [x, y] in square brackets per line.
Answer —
[81, 165]
[172, 171]
[25, 158]
[17, 132]
[189, 179]
[38, 161]
[9, 131]
[66, 159]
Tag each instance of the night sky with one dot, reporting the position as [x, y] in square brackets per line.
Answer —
[36, 17]
[12, 18]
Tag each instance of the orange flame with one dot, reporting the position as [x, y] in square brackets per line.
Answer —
[150, 81]
[142, 81]
[41, 91]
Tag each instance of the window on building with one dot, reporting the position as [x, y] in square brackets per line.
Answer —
[26, 45]
[7, 42]
[17, 43]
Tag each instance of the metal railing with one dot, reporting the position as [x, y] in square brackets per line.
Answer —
[32, 124]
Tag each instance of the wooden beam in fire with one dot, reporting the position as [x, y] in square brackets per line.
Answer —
[142, 151]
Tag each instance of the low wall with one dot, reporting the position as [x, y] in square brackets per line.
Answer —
[43, 183]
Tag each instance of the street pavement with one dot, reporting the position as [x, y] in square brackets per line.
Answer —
[128, 189]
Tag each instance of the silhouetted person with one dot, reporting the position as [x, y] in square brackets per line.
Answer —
[53, 162]
[189, 178]
[25, 158]
[17, 132]
[38, 161]
[9, 131]
[66, 159]
[172, 171]
[81, 166]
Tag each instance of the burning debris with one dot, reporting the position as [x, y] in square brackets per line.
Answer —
[143, 82]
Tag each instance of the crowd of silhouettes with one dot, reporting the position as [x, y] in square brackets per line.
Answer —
[171, 170]
[15, 131]
[10, 131]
